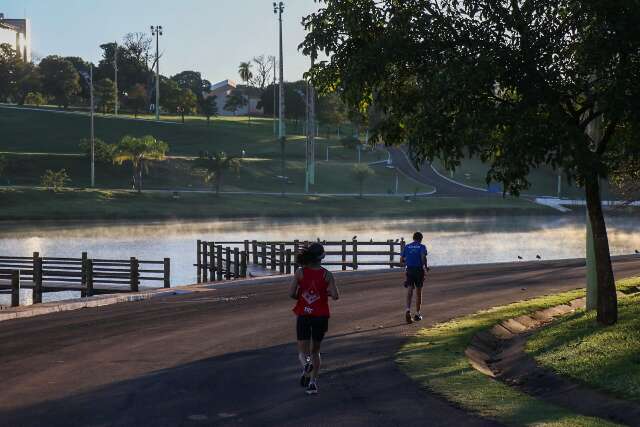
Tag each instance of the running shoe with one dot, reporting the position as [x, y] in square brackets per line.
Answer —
[312, 388]
[417, 317]
[407, 316]
[305, 378]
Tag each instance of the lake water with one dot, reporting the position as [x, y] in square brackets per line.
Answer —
[452, 241]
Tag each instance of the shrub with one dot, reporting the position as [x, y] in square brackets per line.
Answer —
[35, 98]
[55, 180]
[103, 151]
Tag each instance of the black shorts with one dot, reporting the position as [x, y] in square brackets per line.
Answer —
[310, 327]
[414, 278]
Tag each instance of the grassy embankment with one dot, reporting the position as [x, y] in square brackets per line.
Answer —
[103, 204]
[604, 358]
[435, 358]
[38, 140]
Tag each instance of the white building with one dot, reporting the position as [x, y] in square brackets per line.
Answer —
[222, 90]
[17, 33]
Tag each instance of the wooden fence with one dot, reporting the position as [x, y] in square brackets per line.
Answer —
[89, 276]
[215, 262]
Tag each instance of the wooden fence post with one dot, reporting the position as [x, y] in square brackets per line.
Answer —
[89, 277]
[402, 245]
[296, 249]
[392, 253]
[227, 252]
[243, 264]
[212, 261]
[37, 280]
[205, 262]
[15, 288]
[264, 255]
[198, 262]
[246, 246]
[344, 255]
[288, 269]
[167, 272]
[83, 274]
[355, 254]
[282, 260]
[219, 263]
[273, 256]
[236, 263]
[254, 251]
[134, 274]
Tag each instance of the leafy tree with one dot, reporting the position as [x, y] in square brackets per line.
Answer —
[170, 91]
[330, 109]
[235, 101]
[103, 152]
[294, 100]
[35, 98]
[138, 151]
[133, 62]
[4, 164]
[55, 180]
[83, 68]
[213, 168]
[9, 64]
[361, 173]
[209, 107]
[192, 80]
[60, 80]
[104, 91]
[247, 77]
[187, 103]
[350, 142]
[28, 80]
[626, 181]
[137, 99]
[519, 84]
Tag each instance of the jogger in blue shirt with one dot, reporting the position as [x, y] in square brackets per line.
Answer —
[414, 258]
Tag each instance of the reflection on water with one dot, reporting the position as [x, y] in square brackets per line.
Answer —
[451, 241]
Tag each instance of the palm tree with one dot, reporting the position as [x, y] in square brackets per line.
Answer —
[213, 168]
[138, 151]
[246, 75]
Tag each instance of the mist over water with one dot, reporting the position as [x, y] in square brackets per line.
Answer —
[451, 241]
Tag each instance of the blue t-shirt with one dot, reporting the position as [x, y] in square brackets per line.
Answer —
[412, 254]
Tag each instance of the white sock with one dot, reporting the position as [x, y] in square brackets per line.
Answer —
[303, 359]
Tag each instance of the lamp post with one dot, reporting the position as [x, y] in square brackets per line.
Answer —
[278, 9]
[157, 32]
[93, 139]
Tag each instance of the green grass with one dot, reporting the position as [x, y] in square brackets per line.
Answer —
[435, 358]
[604, 358]
[544, 181]
[37, 204]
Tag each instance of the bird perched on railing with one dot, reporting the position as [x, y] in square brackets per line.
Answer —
[519, 257]
[538, 257]
[637, 251]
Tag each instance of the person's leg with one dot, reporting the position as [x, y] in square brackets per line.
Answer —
[418, 300]
[303, 332]
[304, 352]
[315, 359]
[409, 298]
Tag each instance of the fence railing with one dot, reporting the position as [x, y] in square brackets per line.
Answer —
[89, 276]
[214, 260]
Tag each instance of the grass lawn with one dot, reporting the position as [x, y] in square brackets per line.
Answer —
[544, 181]
[604, 358]
[118, 204]
[435, 358]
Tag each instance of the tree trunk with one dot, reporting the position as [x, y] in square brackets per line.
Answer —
[607, 305]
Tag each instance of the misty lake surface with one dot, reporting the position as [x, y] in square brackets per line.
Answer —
[454, 241]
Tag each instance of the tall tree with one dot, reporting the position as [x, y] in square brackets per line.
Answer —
[247, 76]
[264, 67]
[187, 103]
[209, 107]
[192, 80]
[139, 151]
[521, 84]
[170, 94]
[9, 63]
[137, 99]
[213, 168]
[60, 80]
[235, 101]
[104, 92]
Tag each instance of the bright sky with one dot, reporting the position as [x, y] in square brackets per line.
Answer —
[210, 36]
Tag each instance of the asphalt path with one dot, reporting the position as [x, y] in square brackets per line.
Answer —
[226, 355]
[426, 175]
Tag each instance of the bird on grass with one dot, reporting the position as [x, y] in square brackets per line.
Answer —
[538, 257]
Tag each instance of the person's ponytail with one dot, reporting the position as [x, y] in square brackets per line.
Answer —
[311, 254]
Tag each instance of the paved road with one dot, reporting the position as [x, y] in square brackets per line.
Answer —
[225, 356]
[426, 175]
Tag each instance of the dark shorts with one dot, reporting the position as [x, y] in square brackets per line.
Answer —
[310, 327]
[414, 277]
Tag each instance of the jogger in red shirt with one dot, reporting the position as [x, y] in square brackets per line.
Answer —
[311, 287]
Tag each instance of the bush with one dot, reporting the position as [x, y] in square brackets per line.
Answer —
[35, 98]
[103, 151]
[55, 180]
[350, 142]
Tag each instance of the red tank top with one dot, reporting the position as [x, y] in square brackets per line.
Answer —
[313, 294]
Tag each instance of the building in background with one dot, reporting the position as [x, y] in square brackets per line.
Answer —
[17, 33]
[222, 90]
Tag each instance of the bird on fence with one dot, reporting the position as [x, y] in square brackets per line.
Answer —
[538, 257]
[519, 257]
[397, 240]
[318, 240]
[637, 251]
[354, 238]
[371, 241]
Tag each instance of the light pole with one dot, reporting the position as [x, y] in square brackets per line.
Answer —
[157, 32]
[278, 9]
[93, 140]
[275, 126]
[115, 68]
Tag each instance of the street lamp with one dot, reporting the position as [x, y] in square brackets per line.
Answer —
[278, 9]
[157, 32]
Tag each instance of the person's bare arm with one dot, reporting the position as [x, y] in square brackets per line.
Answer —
[333, 289]
[293, 287]
[424, 261]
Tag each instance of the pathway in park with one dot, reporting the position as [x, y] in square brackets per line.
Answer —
[427, 175]
[226, 357]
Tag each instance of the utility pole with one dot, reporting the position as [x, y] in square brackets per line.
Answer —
[275, 124]
[157, 32]
[278, 9]
[115, 68]
[93, 141]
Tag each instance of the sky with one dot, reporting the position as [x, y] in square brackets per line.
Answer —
[210, 36]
